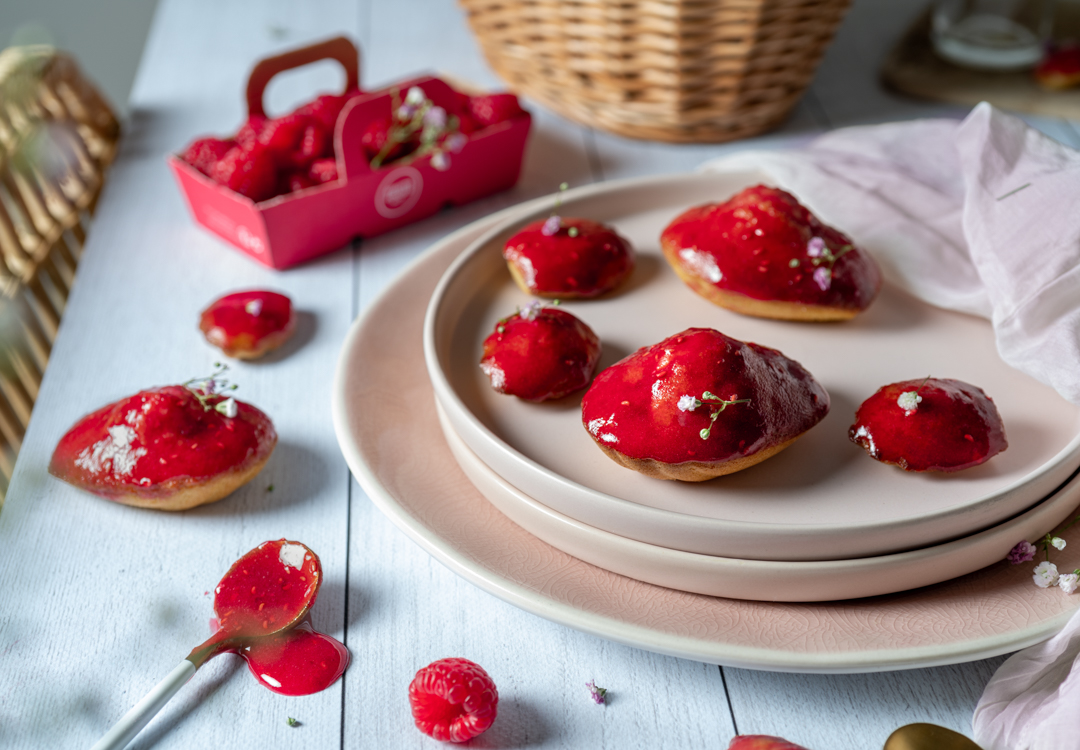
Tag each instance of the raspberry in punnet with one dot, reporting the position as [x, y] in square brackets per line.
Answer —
[453, 700]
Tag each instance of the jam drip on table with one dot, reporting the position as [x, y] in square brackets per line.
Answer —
[582, 258]
[638, 407]
[540, 353]
[159, 441]
[951, 426]
[248, 324]
[763, 244]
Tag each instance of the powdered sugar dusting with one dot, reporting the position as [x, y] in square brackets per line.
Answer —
[292, 555]
[495, 374]
[113, 453]
[703, 264]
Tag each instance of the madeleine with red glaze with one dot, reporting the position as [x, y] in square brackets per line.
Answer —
[169, 448]
[929, 425]
[247, 325]
[761, 253]
[540, 353]
[568, 258]
[700, 405]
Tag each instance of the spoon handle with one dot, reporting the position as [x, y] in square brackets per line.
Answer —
[142, 712]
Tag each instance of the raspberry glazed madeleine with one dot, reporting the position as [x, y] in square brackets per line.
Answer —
[169, 448]
[700, 405]
[568, 258]
[931, 424]
[247, 325]
[540, 353]
[762, 253]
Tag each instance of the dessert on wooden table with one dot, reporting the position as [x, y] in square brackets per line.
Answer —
[929, 424]
[568, 258]
[699, 405]
[761, 253]
[540, 353]
[247, 325]
[168, 448]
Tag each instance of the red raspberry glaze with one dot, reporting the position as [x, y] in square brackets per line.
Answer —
[748, 245]
[954, 426]
[158, 442]
[633, 406]
[540, 353]
[248, 324]
[762, 742]
[595, 261]
[300, 661]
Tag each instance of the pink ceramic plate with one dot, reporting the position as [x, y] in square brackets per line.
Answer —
[820, 499]
[398, 454]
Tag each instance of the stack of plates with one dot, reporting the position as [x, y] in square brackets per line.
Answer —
[820, 521]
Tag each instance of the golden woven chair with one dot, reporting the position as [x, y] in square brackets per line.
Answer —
[57, 138]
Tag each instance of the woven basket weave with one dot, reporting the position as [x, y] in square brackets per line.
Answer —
[667, 70]
[57, 137]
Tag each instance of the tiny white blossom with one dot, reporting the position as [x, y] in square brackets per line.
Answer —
[551, 226]
[405, 112]
[456, 141]
[441, 161]
[254, 307]
[688, 403]
[1046, 575]
[823, 278]
[1069, 582]
[416, 96]
[1058, 542]
[435, 117]
[909, 401]
[815, 248]
[531, 310]
[227, 407]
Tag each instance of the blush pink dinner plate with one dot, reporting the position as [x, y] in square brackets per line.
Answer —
[396, 451]
[821, 499]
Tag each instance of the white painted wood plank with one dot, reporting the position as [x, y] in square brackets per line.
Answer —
[102, 600]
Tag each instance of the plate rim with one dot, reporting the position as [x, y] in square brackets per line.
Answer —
[514, 592]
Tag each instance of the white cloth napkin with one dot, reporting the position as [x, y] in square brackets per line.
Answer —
[981, 216]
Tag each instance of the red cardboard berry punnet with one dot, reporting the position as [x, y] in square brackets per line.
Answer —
[295, 227]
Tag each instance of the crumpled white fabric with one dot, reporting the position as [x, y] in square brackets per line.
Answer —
[981, 216]
[1033, 701]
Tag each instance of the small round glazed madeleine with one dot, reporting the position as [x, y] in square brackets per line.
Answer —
[699, 405]
[169, 448]
[540, 353]
[568, 258]
[761, 253]
[930, 424]
[247, 325]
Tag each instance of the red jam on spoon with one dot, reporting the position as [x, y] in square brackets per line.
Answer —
[540, 353]
[568, 258]
[247, 325]
[168, 448]
[699, 405]
[762, 253]
[929, 425]
[262, 607]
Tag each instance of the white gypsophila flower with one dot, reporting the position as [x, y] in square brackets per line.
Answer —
[254, 307]
[909, 401]
[823, 278]
[551, 226]
[440, 160]
[435, 117]
[531, 310]
[1046, 575]
[1069, 582]
[815, 248]
[227, 407]
[688, 403]
[456, 141]
[1058, 542]
[415, 96]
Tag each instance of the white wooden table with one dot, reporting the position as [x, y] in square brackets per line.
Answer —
[100, 601]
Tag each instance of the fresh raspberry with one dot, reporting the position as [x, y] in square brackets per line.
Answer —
[1060, 69]
[453, 700]
[204, 153]
[283, 138]
[248, 134]
[374, 139]
[326, 108]
[294, 181]
[323, 170]
[494, 108]
[466, 123]
[762, 742]
[314, 144]
[250, 172]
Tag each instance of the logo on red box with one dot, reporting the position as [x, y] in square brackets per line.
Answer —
[398, 192]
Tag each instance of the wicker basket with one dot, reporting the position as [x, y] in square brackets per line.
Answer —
[57, 137]
[666, 70]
